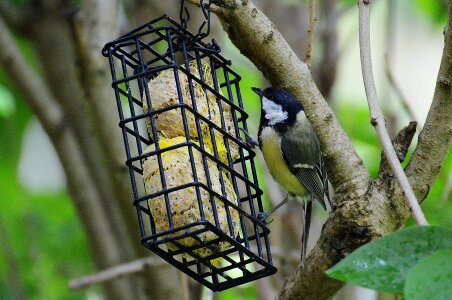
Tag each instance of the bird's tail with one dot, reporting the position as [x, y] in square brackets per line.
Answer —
[307, 210]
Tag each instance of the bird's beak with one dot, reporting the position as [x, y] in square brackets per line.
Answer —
[257, 91]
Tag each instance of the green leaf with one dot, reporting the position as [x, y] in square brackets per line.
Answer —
[384, 264]
[431, 278]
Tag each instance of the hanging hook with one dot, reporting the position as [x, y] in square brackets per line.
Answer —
[184, 19]
[205, 8]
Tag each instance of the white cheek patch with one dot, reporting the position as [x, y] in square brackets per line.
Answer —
[274, 113]
[301, 116]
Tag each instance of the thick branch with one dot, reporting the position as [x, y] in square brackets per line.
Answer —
[325, 71]
[92, 27]
[31, 86]
[436, 136]
[377, 116]
[52, 32]
[258, 39]
[96, 25]
[15, 17]
[401, 144]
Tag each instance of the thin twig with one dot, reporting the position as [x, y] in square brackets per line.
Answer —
[397, 89]
[141, 264]
[377, 118]
[116, 271]
[310, 30]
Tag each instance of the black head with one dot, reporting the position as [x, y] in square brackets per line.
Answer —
[279, 108]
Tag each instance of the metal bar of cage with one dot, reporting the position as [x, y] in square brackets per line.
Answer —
[241, 244]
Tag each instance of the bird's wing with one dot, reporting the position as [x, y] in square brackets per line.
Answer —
[305, 161]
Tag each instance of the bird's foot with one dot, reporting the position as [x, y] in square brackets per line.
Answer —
[263, 216]
[249, 140]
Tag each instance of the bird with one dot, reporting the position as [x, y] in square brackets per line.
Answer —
[292, 153]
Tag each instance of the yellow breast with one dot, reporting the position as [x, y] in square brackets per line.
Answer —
[270, 147]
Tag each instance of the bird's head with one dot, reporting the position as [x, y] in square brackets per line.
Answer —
[278, 107]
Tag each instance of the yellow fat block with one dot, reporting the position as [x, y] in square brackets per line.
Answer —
[163, 93]
[183, 203]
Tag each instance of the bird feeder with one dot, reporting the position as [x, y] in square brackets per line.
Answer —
[193, 176]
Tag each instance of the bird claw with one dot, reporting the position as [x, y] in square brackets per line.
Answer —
[262, 216]
[249, 140]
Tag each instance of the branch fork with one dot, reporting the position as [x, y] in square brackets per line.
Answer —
[377, 116]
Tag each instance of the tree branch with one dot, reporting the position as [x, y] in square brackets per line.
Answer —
[389, 50]
[362, 209]
[51, 32]
[397, 89]
[401, 144]
[93, 26]
[35, 92]
[377, 116]
[325, 71]
[126, 269]
[436, 136]
[310, 30]
[15, 17]
[141, 265]
[258, 39]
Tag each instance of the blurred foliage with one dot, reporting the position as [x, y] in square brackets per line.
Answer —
[436, 11]
[355, 121]
[6, 102]
[247, 291]
[18, 2]
[46, 241]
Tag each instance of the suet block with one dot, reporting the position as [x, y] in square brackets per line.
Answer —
[183, 203]
[163, 93]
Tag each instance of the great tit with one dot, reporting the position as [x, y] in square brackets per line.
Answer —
[292, 153]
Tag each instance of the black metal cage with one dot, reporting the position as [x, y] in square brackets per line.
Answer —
[193, 177]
